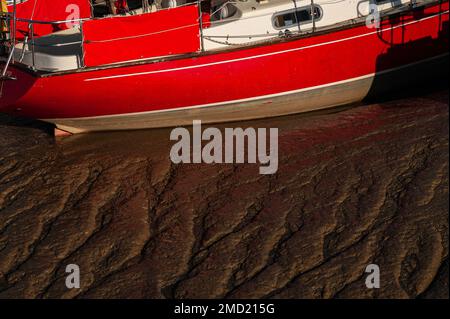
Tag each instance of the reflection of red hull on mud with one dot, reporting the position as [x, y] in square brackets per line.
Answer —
[302, 74]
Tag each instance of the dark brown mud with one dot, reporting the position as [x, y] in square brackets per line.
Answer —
[355, 186]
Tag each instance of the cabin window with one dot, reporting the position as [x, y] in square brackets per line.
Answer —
[295, 17]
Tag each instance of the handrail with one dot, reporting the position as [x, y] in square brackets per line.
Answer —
[52, 22]
[92, 18]
[32, 45]
[413, 2]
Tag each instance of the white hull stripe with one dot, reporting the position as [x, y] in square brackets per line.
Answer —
[254, 99]
[262, 55]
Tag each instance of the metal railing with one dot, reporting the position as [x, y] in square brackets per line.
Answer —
[30, 37]
[29, 41]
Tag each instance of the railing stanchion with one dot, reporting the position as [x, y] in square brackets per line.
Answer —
[313, 16]
[200, 24]
[33, 57]
[26, 46]
[82, 45]
[13, 36]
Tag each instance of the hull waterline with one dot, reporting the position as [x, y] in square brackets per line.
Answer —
[312, 99]
[296, 75]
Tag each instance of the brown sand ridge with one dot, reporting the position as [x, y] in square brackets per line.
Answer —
[360, 186]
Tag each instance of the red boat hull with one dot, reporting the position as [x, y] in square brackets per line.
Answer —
[324, 70]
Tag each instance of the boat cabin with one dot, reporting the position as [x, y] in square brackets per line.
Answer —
[118, 31]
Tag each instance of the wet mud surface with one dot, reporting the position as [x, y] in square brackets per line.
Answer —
[355, 186]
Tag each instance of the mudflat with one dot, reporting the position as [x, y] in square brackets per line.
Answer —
[354, 186]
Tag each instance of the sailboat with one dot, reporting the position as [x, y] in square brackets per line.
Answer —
[166, 63]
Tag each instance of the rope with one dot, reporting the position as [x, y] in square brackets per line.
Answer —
[34, 8]
[142, 35]
[280, 34]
